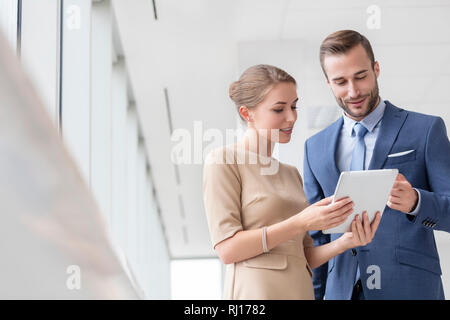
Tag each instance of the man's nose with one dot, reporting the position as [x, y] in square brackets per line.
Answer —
[353, 90]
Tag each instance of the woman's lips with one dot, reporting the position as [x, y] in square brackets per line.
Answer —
[286, 131]
[358, 103]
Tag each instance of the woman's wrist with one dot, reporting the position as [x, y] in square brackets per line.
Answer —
[341, 245]
[300, 224]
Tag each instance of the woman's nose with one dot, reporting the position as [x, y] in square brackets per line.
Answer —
[292, 116]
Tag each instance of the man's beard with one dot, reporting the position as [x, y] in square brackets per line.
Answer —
[373, 99]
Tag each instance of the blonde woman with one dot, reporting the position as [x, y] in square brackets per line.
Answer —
[257, 212]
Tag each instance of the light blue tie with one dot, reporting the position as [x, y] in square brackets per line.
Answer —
[358, 160]
[359, 152]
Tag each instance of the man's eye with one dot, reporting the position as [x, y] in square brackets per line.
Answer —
[359, 78]
[340, 83]
[294, 107]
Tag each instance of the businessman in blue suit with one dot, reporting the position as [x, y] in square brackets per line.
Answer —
[402, 261]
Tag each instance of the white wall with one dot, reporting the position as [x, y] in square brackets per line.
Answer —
[40, 50]
[8, 21]
[53, 240]
[98, 122]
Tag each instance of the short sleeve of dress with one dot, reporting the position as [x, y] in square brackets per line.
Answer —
[221, 196]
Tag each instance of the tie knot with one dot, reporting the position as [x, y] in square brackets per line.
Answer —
[360, 130]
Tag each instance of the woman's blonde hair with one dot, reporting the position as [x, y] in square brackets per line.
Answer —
[254, 84]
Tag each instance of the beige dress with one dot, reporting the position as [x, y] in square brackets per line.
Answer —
[238, 196]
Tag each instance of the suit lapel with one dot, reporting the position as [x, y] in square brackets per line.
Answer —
[329, 150]
[392, 122]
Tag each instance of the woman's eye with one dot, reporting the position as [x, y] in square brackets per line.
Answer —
[278, 110]
[294, 107]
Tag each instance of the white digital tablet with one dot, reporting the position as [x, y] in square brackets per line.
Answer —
[369, 190]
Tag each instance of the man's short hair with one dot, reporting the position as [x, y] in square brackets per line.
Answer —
[340, 42]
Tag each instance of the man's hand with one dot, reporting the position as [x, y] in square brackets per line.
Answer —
[403, 197]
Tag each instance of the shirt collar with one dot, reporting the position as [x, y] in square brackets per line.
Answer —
[369, 122]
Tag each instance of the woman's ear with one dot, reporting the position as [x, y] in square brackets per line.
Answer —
[245, 114]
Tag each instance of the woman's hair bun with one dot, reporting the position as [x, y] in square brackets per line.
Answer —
[232, 90]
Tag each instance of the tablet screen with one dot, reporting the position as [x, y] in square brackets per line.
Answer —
[369, 190]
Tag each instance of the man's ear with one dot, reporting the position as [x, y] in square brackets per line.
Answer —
[376, 68]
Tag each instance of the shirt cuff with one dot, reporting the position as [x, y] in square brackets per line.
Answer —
[416, 210]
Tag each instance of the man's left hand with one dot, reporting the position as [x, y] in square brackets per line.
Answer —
[403, 197]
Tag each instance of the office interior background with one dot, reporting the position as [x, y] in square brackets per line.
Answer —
[97, 95]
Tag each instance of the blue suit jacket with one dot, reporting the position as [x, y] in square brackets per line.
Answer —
[404, 247]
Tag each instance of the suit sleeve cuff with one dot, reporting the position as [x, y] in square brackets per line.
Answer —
[416, 210]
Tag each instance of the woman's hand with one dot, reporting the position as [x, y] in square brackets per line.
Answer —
[323, 215]
[362, 231]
